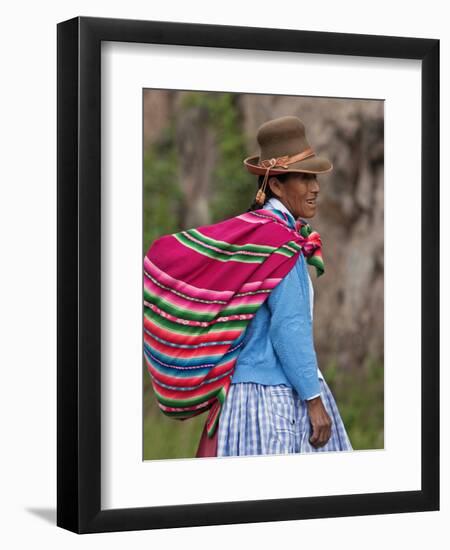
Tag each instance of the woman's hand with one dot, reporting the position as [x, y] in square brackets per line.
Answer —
[320, 422]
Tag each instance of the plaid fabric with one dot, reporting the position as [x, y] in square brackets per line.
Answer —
[259, 420]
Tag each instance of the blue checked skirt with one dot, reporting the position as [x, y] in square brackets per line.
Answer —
[259, 420]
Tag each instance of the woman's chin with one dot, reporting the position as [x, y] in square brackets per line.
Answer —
[309, 213]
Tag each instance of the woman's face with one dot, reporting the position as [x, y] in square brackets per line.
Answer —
[298, 193]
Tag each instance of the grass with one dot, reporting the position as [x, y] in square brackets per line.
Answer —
[359, 395]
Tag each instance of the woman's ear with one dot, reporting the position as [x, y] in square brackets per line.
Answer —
[275, 186]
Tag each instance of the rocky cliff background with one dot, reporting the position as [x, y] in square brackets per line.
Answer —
[194, 145]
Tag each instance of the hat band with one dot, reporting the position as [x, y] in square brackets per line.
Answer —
[286, 160]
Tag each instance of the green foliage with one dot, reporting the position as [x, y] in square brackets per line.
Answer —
[232, 186]
[162, 194]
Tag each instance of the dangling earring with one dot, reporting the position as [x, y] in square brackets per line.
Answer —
[260, 198]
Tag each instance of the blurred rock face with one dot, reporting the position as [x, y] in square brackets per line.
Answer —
[349, 297]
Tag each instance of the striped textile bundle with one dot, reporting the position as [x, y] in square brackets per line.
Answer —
[201, 289]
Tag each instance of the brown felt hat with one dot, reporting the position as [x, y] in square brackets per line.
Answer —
[285, 137]
[284, 148]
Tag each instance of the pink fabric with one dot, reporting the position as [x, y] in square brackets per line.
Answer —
[207, 445]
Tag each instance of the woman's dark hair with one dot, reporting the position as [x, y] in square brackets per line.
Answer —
[280, 177]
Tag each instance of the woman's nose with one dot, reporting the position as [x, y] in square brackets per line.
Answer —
[315, 185]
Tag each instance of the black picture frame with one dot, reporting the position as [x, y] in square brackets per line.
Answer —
[79, 274]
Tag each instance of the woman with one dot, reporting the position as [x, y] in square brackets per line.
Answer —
[279, 401]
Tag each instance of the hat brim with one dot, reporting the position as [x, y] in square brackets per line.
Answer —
[311, 165]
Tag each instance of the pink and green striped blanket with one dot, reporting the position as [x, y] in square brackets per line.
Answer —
[202, 287]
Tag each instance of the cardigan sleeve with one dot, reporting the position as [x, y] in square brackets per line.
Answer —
[291, 331]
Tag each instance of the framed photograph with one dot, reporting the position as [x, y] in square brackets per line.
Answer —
[248, 274]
